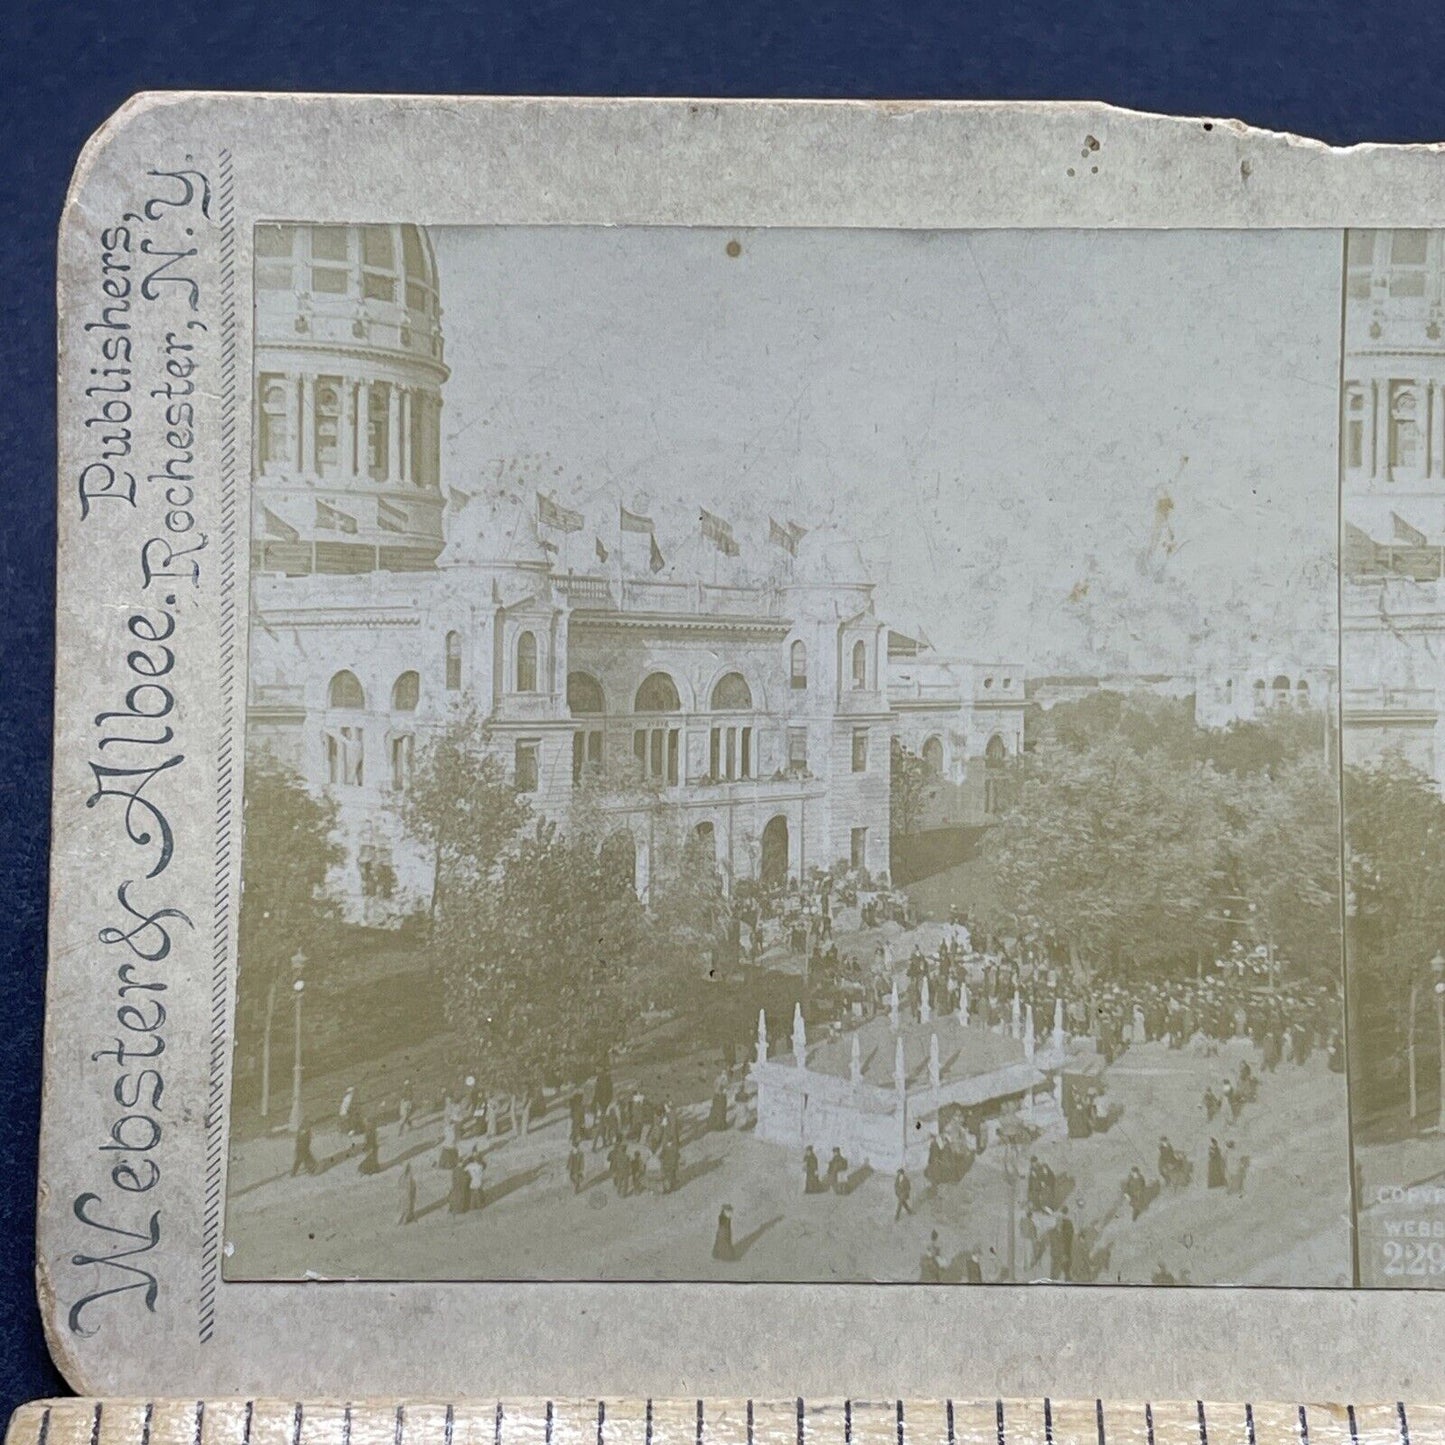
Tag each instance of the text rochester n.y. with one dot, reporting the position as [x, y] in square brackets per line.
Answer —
[145, 347]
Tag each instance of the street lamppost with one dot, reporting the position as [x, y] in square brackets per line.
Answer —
[1437, 967]
[298, 989]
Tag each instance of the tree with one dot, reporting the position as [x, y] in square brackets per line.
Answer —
[288, 847]
[1284, 861]
[1115, 852]
[1395, 841]
[461, 806]
[688, 902]
[539, 960]
[909, 786]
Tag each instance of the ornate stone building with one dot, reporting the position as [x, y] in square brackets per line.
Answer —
[1392, 453]
[754, 711]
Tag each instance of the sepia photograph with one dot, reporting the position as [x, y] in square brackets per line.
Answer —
[822, 755]
[1392, 443]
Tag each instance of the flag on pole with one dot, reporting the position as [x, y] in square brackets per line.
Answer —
[719, 533]
[548, 546]
[655, 561]
[634, 521]
[602, 552]
[275, 527]
[333, 519]
[1404, 532]
[550, 514]
[786, 535]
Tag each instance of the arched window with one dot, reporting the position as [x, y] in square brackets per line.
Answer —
[658, 693]
[1404, 428]
[346, 692]
[328, 424]
[454, 661]
[732, 694]
[1354, 438]
[995, 760]
[618, 860]
[1302, 692]
[584, 694]
[860, 664]
[527, 662]
[275, 445]
[799, 658]
[1281, 691]
[405, 692]
[933, 757]
[1259, 694]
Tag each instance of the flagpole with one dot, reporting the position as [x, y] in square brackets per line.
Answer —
[621, 586]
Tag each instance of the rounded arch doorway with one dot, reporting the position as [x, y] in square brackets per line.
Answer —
[773, 866]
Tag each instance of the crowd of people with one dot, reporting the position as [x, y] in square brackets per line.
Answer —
[950, 969]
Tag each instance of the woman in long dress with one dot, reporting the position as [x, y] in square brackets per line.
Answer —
[370, 1162]
[406, 1214]
[722, 1244]
[460, 1198]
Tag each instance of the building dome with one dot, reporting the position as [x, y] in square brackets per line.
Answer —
[348, 378]
[828, 557]
[493, 529]
[1395, 282]
[345, 284]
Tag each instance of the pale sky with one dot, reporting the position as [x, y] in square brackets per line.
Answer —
[1011, 423]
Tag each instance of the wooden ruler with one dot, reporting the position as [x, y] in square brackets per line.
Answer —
[720, 1422]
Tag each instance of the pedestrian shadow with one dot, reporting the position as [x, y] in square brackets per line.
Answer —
[262, 1183]
[512, 1183]
[422, 1146]
[438, 1203]
[856, 1179]
[741, 1246]
[696, 1170]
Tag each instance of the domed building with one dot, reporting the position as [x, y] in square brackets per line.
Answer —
[1392, 455]
[737, 695]
[349, 372]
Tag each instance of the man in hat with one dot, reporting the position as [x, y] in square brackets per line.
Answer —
[902, 1192]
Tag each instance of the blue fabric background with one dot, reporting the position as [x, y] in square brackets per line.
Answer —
[1343, 72]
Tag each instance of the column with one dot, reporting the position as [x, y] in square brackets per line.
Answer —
[1425, 410]
[1375, 428]
[363, 428]
[393, 433]
[406, 423]
[1437, 412]
[347, 440]
[308, 425]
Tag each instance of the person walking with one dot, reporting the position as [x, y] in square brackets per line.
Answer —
[575, 1166]
[406, 1214]
[902, 1192]
[812, 1184]
[1061, 1247]
[722, 1242]
[303, 1161]
[476, 1172]
[370, 1149]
